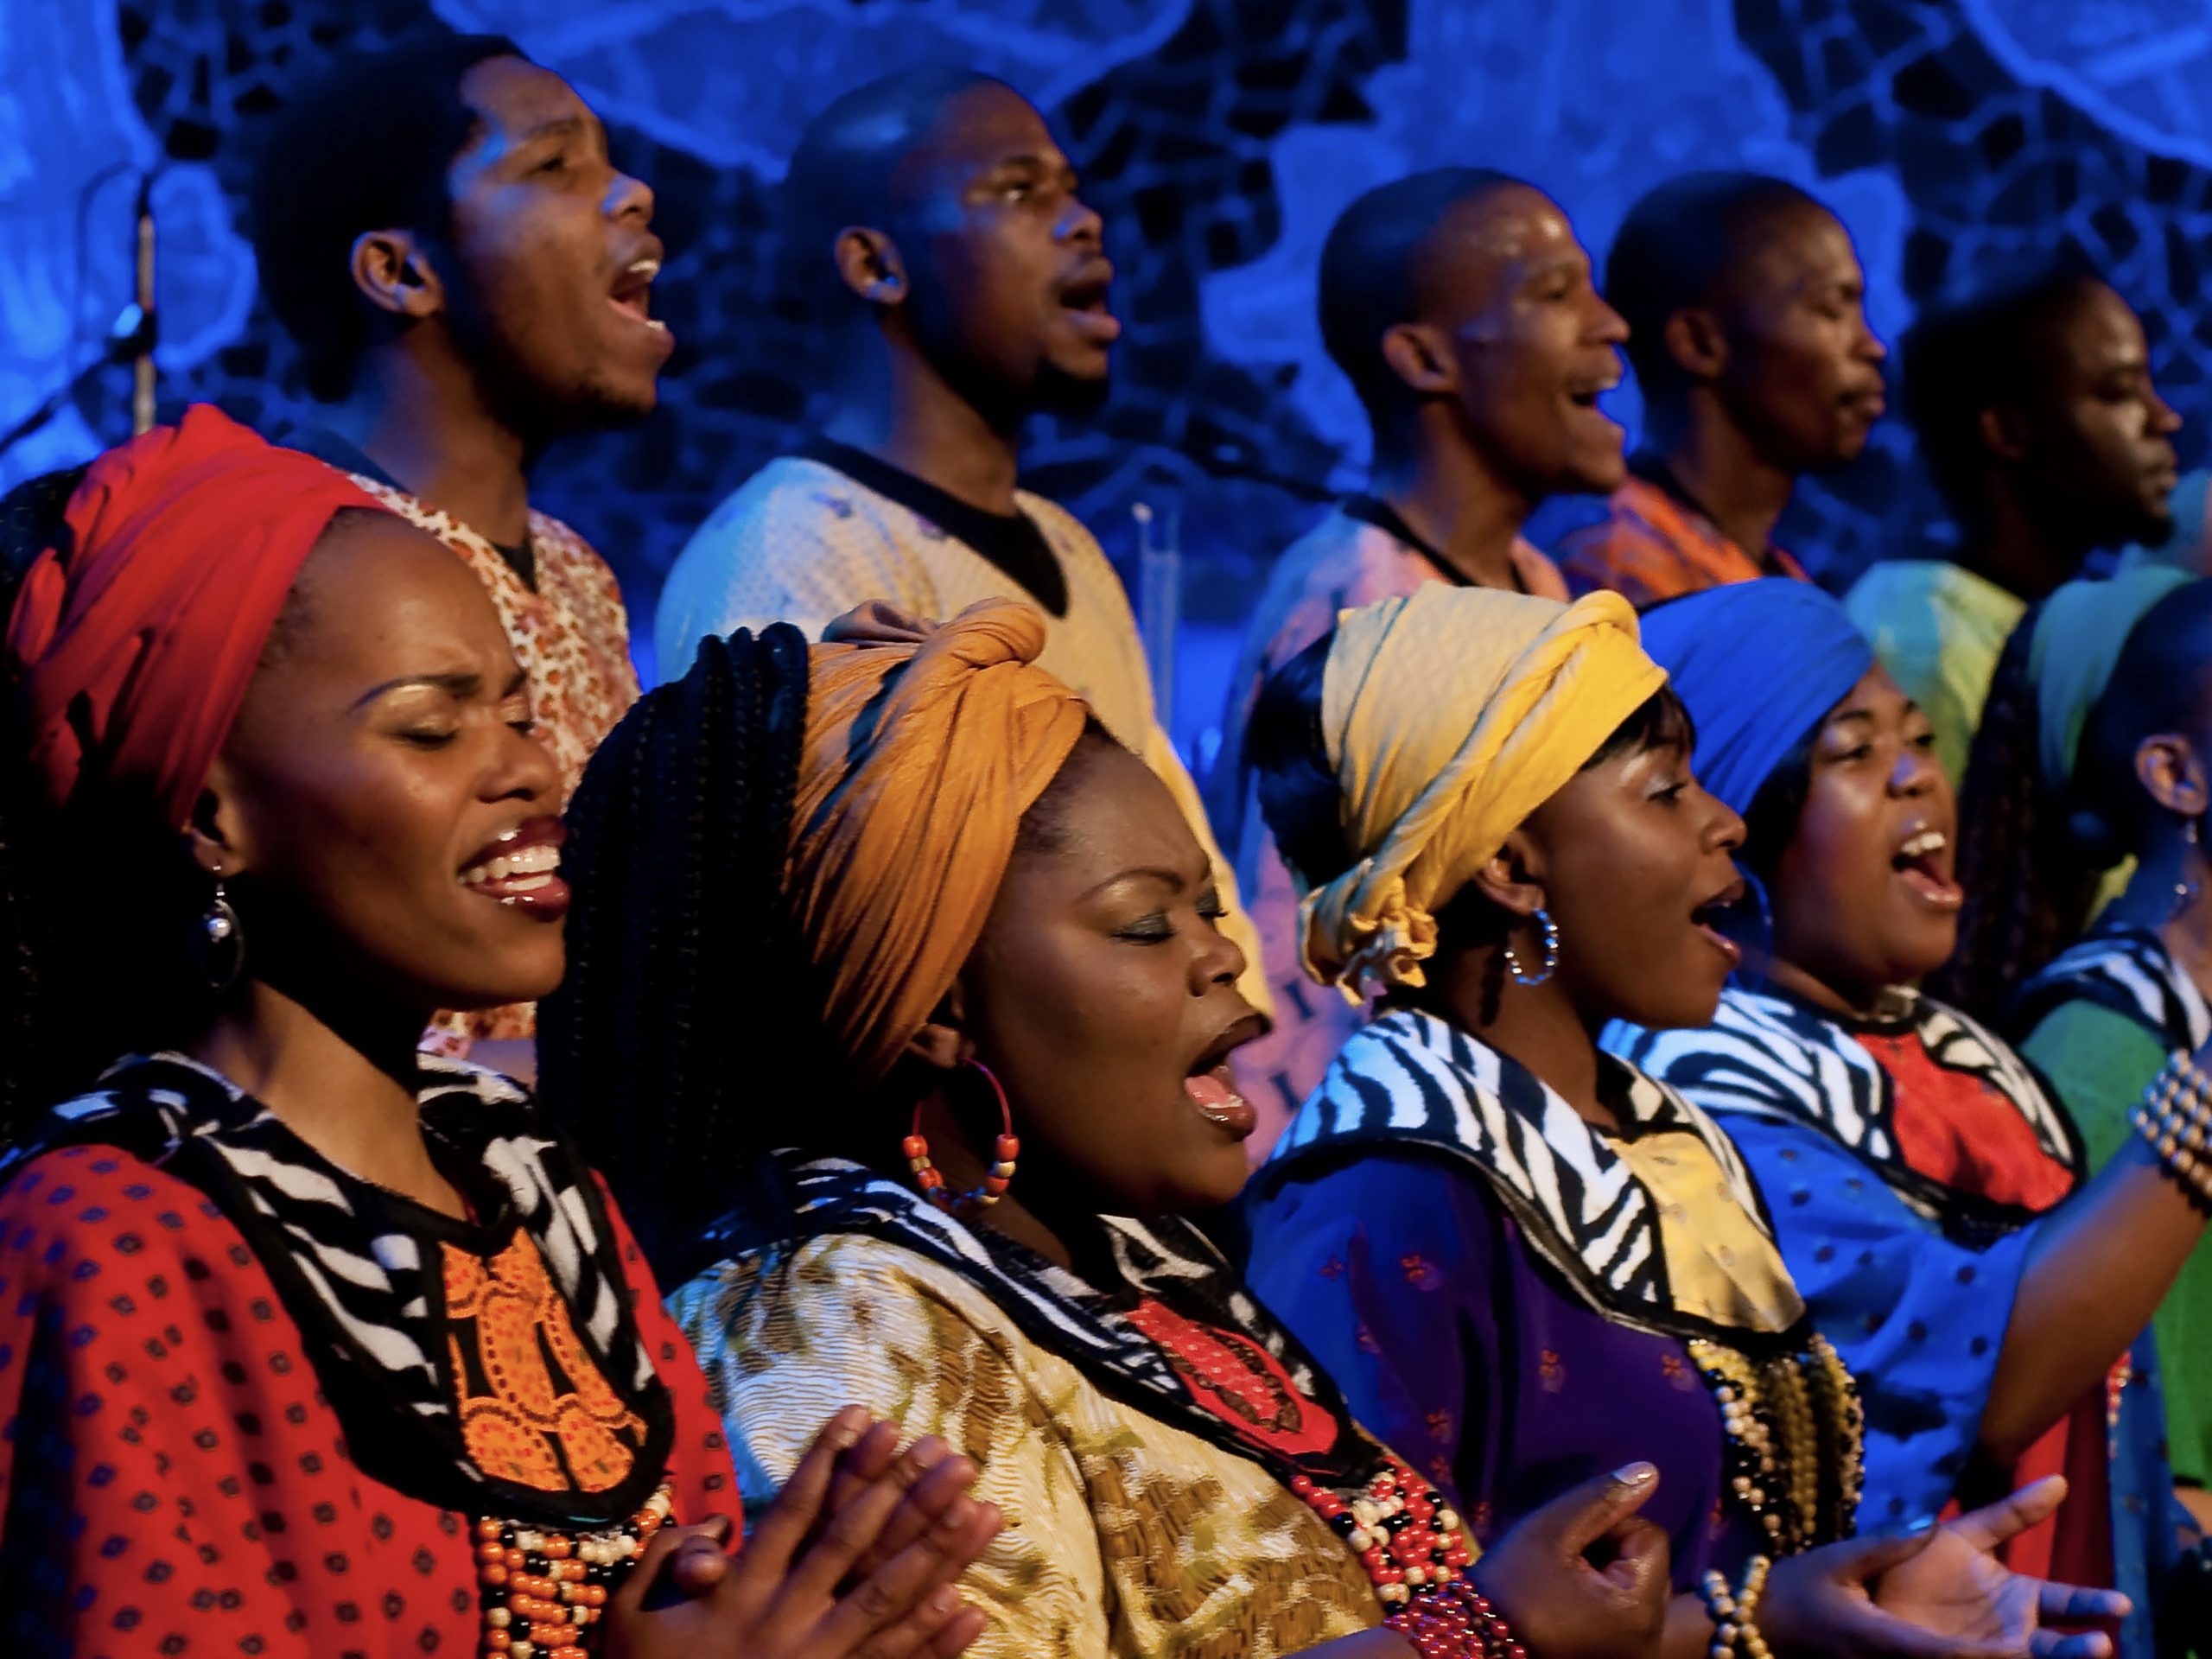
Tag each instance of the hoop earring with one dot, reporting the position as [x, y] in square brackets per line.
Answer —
[222, 942]
[1005, 1149]
[2186, 889]
[1543, 920]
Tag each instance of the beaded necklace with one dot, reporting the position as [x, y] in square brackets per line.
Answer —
[543, 1589]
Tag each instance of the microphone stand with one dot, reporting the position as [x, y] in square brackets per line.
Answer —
[130, 340]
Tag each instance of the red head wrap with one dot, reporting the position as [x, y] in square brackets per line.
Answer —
[132, 641]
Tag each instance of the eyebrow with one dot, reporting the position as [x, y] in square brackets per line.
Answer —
[459, 686]
[565, 126]
[1159, 873]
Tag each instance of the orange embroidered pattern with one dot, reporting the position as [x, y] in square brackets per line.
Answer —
[534, 1408]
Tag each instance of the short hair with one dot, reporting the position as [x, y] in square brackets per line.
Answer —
[367, 146]
[1680, 245]
[844, 167]
[1979, 350]
[1373, 274]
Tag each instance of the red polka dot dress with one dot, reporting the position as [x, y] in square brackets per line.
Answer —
[217, 1442]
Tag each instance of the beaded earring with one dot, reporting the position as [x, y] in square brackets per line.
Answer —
[2185, 890]
[1005, 1150]
[1521, 976]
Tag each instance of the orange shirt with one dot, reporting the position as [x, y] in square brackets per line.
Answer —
[1651, 545]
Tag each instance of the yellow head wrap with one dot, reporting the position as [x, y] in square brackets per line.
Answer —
[1449, 717]
[925, 746]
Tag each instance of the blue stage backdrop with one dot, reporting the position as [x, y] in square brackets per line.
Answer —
[1219, 138]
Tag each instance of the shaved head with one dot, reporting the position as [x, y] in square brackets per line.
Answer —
[1379, 266]
[852, 166]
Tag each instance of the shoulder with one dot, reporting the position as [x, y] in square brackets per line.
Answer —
[1065, 530]
[73, 1216]
[554, 540]
[788, 506]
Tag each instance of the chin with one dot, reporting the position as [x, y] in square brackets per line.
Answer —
[1063, 390]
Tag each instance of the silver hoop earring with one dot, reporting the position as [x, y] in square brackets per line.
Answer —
[222, 942]
[1543, 920]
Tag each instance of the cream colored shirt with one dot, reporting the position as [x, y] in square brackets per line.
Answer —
[803, 542]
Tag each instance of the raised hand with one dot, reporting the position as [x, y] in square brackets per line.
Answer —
[1958, 1586]
[1541, 1578]
[795, 1593]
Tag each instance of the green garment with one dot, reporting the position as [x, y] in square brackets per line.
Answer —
[1939, 629]
[2099, 1062]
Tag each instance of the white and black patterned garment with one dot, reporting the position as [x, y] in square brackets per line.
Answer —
[357, 1267]
[1770, 1055]
[1409, 1078]
[2128, 971]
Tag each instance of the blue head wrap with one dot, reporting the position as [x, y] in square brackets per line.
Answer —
[1758, 664]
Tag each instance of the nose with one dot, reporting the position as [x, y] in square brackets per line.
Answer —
[525, 770]
[1916, 772]
[2164, 422]
[1726, 832]
[1870, 346]
[1217, 961]
[1607, 326]
[1079, 222]
[629, 197]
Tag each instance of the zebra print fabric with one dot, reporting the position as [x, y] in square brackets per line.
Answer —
[2129, 971]
[1410, 1077]
[1166, 1261]
[1770, 1055]
[359, 1269]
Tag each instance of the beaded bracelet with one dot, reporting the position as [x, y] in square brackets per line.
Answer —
[1735, 1629]
[1453, 1620]
[2176, 1118]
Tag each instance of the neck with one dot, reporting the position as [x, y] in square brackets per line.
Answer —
[2021, 552]
[1852, 1002]
[351, 1099]
[425, 420]
[894, 404]
[1456, 503]
[1536, 1026]
[1720, 468]
[2163, 871]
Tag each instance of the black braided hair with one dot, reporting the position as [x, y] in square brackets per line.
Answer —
[2031, 861]
[684, 1039]
[38, 1054]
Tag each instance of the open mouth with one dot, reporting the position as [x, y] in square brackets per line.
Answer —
[1868, 403]
[521, 869]
[1711, 919]
[1084, 300]
[632, 293]
[1923, 860]
[1212, 1088]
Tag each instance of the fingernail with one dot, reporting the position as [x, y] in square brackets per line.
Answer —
[847, 1427]
[1636, 1474]
[717, 1528]
[928, 1453]
[944, 1600]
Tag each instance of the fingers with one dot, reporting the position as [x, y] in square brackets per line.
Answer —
[2074, 1604]
[798, 1507]
[904, 1595]
[863, 1464]
[960, 1633]
[1863, 1628]
[1990, 1526]
[1641, 1561]
[645, 1579]
[877, 623]
[1581, 1516]
[931, 1475]
[856, 1529]
[697, 1565]
[2048, 1644]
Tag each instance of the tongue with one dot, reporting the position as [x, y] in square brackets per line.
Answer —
[1935, 888]
[1211, 1093]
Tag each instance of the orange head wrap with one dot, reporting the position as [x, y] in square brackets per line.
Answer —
[924, 748]
[133, 638]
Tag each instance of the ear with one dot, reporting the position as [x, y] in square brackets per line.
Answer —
[214, 836]
[1513, 879]
[2004, 433]
[2168, 767]
[392, 270]
[942, 1043]
[1422, 358]
[869, 263]
[1697, 342]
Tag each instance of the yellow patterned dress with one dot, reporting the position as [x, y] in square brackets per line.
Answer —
[1125, 1535]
